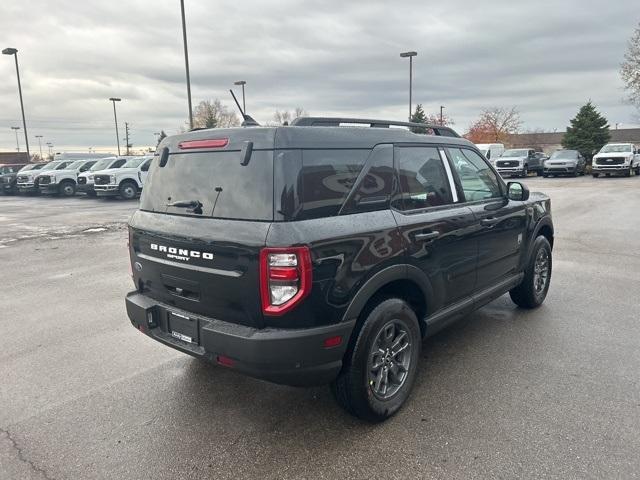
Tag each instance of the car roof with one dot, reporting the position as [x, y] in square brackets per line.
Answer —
[310, 137]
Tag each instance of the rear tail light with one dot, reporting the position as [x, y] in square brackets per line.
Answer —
[285, 278]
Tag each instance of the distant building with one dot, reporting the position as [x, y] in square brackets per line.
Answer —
[550, 141]
[13, 157]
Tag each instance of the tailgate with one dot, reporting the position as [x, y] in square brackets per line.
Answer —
[206, 266]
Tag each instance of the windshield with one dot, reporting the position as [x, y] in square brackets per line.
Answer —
[568, 154]
[515, 153]
[616, 149]
[75, 165]
[134, 162]
[63, 165]
[101, 164]
[52, 165]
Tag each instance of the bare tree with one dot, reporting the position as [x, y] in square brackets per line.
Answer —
[286, 116]
[630, 68]
[212, 114]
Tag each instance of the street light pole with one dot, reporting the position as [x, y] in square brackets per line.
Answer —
[441, 109]
[186, 64]
[14, 52]
[115, 116]
[243, 83]
[39, 137]
[410, 55]
[15, 129]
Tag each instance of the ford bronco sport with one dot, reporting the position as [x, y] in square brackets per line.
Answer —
[321, 253]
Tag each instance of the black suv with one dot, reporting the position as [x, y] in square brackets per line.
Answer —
[324, 253]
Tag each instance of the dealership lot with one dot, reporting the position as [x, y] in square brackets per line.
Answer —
[506, 393]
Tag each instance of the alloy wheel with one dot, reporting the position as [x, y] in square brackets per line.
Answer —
[389, 360]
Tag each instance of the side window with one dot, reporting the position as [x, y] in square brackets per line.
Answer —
[145, 166]
[326, 178]
[423, 178]
[118, 163]
[376, 185]
[478, 181]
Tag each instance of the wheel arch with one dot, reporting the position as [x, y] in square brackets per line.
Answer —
[402, 281]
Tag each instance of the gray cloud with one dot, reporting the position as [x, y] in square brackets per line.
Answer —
[331, 57]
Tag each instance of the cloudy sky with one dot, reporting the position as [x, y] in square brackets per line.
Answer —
[330, 57]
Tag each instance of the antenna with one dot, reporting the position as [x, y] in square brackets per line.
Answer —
[248, 120]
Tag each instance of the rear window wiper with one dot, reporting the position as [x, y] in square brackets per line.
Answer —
[194, 206]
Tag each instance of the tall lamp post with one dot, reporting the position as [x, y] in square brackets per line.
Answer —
[410, 55]
[243, 83]
[39, 137]
[186, 63]
[14, 52]
[115, 117]
[50, 145]
[441, 118]
[15, 129]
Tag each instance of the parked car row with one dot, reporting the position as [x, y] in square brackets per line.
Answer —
[613, 158]
[110, 176]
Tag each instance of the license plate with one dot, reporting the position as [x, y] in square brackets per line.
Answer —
[183, 328]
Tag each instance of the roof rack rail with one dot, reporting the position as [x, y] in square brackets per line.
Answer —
[337, 121]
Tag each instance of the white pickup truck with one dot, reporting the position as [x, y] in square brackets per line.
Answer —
[63, 181]
[126, 181]
[85, 180]
[619, 158]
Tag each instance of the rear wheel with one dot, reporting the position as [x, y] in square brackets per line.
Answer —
[537, 276]
[128, 190]
[381, 363]
[67, 188]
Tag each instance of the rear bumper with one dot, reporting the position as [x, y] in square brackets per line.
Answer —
[287, 356]
[106, 190]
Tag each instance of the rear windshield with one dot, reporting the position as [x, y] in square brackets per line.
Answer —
[217, 180]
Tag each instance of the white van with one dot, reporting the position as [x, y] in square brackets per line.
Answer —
[491, 151]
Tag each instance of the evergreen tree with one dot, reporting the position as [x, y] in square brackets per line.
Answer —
[419, 117]
[588, 132]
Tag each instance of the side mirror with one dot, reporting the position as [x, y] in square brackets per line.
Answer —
[517, 191]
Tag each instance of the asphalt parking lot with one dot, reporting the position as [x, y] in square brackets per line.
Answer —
[506, 393]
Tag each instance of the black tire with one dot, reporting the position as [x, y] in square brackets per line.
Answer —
[545, 175]
[67, 189]
[534, 286]
[525, 172]
[91, 193]
[539, 173]
[628, 172]
[355, 389]
[595, 175]
[128, 190]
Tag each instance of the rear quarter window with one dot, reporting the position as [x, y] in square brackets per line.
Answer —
[326, 178]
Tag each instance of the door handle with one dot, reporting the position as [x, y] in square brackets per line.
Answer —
[423, 237]
[489, 222]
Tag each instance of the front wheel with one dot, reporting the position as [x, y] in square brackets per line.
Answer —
[537, 276]
[595, 175]
[539, 173]
[67, 189]
[128, 190]
[525, 172]
[381, 363]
